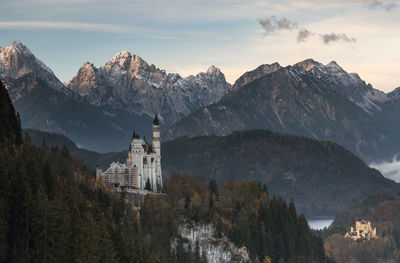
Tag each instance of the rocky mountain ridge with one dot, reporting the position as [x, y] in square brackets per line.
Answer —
[309, 99]
[128, 82]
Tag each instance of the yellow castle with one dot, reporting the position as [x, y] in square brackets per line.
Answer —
[362, 231]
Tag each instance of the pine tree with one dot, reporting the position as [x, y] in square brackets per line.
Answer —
[187, 203]
[212, 187]
[3, 230]
[10, 123]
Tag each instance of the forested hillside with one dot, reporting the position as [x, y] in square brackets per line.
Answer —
[321, 177]
[91, 158]
[52, 210]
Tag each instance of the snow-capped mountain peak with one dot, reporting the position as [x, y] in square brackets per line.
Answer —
[127, 81]
[16, 60]
[213, 70]
[310, 65]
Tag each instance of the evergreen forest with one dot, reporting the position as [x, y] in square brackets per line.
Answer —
[53, 210]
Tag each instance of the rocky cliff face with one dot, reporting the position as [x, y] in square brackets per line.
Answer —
[128, 82]
[308, 99]
[216, 250]
[17, 60]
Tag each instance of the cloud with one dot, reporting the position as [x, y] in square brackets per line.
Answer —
[303, 34]
[334, 37]
[271, 24]
[390, 170]
[388, 6]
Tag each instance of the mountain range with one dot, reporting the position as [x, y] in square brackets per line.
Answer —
[308, 99]
[100, 107]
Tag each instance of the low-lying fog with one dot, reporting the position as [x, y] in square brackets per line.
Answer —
[390, 170]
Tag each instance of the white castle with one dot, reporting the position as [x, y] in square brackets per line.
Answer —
[143, 166]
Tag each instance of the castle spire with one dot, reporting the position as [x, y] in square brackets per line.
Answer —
[135, 135]
[155, 121]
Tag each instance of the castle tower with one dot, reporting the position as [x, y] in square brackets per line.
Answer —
[136, 160]
[156, 141]
[135, 177]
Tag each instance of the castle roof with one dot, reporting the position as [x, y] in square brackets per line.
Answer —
[135, 135]
[155, 121]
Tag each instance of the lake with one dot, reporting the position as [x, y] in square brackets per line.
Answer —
[319, 224]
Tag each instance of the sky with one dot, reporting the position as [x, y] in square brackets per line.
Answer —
[187, 36]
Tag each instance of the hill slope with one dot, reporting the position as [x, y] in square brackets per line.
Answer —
[91, 158]
[45, 108]
[322, 177]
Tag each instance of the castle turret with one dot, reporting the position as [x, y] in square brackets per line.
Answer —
[136, 160]
[156, 141]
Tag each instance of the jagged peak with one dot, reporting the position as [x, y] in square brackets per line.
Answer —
[269, 68]
[213, 70]
[308, 64]
[87, 65]
[332, 64]
[123, 55]
[18, 47]
[17, 43]
[395, 93]
[125, 60]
